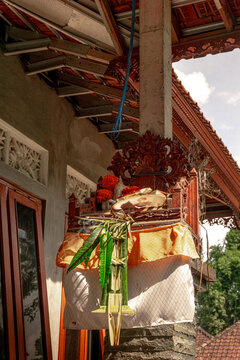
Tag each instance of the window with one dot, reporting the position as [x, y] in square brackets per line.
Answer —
[24, 297]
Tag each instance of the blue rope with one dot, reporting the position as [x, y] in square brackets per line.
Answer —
[118, 122]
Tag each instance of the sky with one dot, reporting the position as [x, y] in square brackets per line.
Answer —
[214, 83]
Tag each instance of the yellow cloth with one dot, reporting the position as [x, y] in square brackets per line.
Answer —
[145, 246]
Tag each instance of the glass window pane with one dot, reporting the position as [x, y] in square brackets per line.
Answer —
[30, 282]
[2, 334]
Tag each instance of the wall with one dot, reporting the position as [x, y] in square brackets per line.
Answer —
[32, 107]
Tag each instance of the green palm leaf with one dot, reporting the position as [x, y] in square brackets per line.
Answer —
[86, 249]
[106, 248]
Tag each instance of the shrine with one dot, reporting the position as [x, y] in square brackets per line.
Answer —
[108, 167]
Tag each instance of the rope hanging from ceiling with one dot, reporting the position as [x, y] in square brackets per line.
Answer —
[118, 122]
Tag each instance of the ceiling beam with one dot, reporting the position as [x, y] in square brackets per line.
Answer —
[108, 109]
[72, 90]
[180, 3]
[111, 26]
[82, 50]
[64, 60]
[126, 15]
[94, 111]
[44, 43]
[104, 90]
[128, 111]
[18, 33]
[69, 47]
[122, 130]
[26, 46]
[87, 66]
[226, 13]
[46, 65]
[176, 31]
[108, 128]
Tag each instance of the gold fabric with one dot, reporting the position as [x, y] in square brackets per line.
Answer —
[145, 246]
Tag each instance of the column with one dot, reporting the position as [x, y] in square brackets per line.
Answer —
[155, 67]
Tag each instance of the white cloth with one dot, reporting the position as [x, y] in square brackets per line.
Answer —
[160, 292]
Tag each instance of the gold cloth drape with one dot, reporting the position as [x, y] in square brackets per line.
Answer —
[145, 246]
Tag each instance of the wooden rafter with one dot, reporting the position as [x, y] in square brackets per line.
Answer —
[126, 127]
[104, 90]
[72, 90]
[176, 31]
[46, 65]
[108, 109]
[45, 43]
[52, 63]
[111, 26]
[226, 13]
[26, 46]
[95, 111]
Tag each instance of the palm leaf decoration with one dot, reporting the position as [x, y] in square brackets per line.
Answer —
[106, 248]
[86, 249]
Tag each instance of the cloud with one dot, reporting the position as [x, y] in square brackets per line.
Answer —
[216, 235]
[197, 85]
[237, 158]
[226, 127]
[230, 97]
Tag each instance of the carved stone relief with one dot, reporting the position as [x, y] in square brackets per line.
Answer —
[23, 154]
[25, 159]
[78, 185]
[2, 142]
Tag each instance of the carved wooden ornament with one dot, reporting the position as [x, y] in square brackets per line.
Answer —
[151, 161]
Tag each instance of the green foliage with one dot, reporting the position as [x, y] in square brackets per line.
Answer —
[85, 251]
[106, 249]
[219, 306]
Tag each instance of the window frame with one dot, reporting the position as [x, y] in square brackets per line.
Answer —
[12, 288]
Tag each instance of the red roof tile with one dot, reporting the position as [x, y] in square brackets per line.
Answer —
[202, 338]
[225, 345]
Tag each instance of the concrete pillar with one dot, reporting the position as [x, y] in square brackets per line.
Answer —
[155, 67]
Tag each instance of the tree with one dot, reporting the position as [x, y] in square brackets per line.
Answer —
[219, 306]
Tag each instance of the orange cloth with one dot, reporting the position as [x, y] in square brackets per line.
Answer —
[145, 246]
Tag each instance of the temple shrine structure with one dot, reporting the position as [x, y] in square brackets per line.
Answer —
[63, 64]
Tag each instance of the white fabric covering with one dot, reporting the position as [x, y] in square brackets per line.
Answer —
[160, 292]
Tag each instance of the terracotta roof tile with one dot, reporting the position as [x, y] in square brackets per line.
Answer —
[225, 345]
[202, 338]
[206, 122]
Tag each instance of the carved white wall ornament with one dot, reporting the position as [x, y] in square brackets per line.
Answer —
[25, 159]
[79, 185]
[23, 154]
[2, 142]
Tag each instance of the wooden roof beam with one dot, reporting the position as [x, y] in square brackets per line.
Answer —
[87, 66]
[44, 43]
[176, 31]
[80, 50]
[46, 65]
[26, 46]
[107, 91]
[72, 90]
[111, 26]
[94, 111]
[226, 13]
[108, 109]
[126, 127]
